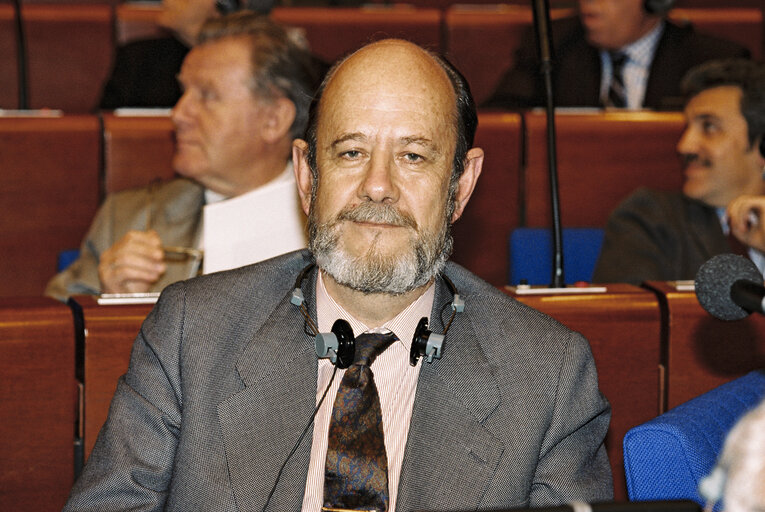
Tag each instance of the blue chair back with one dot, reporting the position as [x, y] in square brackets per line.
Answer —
[66, 258]
[531, 254]
[665, 458]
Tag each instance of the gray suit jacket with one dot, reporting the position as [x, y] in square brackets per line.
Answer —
[660, 236]
[222, 381]
[176, 217]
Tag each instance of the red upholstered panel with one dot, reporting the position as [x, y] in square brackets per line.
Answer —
[742, 25]
[49, 192]
[70, 51]
[602, 158]
[38, 404]
[480, 236]
[137, 150]
[9, 91]
[334, 32]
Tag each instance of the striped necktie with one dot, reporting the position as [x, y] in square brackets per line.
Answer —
[617, 94]
[356, 471]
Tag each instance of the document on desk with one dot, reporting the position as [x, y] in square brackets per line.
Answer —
[253, 227]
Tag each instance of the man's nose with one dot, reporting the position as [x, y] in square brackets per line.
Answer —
[379, 183]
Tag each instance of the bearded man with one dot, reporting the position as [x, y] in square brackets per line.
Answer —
[226, 406]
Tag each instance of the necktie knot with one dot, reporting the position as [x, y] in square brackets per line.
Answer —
[370, 345]
[618, 59]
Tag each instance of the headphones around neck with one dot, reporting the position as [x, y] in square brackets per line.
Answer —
[658, 7]
[339, 345]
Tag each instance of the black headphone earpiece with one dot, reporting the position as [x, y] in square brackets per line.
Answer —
[339, 345]
[658, 7]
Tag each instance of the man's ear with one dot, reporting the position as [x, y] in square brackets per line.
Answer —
[279, 117]
[468, 180]
[303, 175]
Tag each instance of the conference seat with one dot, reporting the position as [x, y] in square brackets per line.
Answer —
[602, 158]
[666, 457]
[138, 149]
[9, 70]
[333, 32]
[531, 255]
[38, 404]
[70, 50]
[743, 25]
[49, 191]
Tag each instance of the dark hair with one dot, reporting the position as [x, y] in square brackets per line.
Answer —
[747, 75]
[281, 63]
[466, 118]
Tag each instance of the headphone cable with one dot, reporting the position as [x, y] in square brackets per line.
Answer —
[300, 439]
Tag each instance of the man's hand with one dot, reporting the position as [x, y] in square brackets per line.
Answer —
[132, 264]
[746, 222]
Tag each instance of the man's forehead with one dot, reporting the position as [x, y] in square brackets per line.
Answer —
[208, 59]
[723, 101]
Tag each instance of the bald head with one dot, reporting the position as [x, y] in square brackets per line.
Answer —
[392, 69]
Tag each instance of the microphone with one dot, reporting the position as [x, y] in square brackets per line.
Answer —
[729, 287]
[545, 51]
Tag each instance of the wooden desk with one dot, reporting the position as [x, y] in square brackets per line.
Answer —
[104, 349]
[38, 397]
[623, 328]
[701, 352]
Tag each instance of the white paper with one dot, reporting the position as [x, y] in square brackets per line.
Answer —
[253, 227]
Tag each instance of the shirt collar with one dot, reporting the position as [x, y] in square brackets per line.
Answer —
[403, 325]
[212, 197]
[641, 52]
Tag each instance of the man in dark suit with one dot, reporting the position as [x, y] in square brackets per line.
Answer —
[655, 54]
[145, 71]
[224, 375]
[667, 236]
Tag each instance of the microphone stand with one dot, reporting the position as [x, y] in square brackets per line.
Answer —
[544, 48]
[21, 55]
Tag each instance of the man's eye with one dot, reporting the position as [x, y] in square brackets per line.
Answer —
[413, 157]
[351, 154]
[208, 95]
[709, 127]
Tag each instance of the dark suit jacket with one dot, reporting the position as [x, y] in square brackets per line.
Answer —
[222, 381]
[576, 77]
[661, 236]
[144, 74]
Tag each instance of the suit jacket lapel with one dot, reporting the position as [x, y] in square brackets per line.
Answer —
[454, 396]
[262, 422]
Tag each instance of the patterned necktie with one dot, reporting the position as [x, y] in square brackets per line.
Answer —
[617, 94]
[356, 471]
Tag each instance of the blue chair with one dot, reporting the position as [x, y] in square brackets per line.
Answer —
[66, 258]
[665, 458]
[531, 254]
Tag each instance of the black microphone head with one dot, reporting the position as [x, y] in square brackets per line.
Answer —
[715, 279]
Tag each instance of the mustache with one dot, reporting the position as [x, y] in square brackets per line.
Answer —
[378, 213]
[689, 158]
